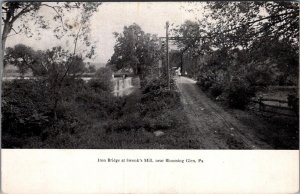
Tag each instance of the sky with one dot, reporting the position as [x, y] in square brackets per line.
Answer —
[112, 17]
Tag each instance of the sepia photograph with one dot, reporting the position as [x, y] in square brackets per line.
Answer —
[149, 97]
[150, 75]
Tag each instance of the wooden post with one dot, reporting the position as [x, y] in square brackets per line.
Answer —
[181, 64]
[167, 53]
[261, 104]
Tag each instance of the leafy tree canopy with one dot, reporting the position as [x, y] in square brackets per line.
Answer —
[17, 18]
[42, 63]
[240, 24]
[256, 40]
[135, 49]
[243, 22]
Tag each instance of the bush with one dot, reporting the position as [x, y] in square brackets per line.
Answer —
[165, 121]
[155, 84]
[151, 83]
[99, 104]
[25, 107]
[216, 90]
[102, 81]
[125, 123]
[239, 94]
[156, 110]
[204, 83]
[28, 120]
[156, 97]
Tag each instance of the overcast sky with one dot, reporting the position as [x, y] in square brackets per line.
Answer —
[112, 17]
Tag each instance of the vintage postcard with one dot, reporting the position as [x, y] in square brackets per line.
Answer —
[150, 97]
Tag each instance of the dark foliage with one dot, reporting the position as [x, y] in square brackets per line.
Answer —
[155, 110]
[216, 90]
[27, 110]
[239, 94]
[99, 105]
[293, 102]
[25, 107]
[102, 80]
[205, 83]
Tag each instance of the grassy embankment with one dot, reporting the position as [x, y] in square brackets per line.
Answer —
[94, 118]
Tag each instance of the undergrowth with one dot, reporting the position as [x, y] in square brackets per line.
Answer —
[90, 117]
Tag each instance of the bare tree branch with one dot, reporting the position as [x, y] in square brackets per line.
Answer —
[255, 21]
[15, 32]
[59, 15]
[72, 57]
[23, 11]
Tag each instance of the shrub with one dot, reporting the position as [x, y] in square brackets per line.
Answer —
[26, 107]
[156, 110]
[216, 90]
[204, 83]
[239, 94]
[153, 85]
[134, 121]
[262, 73]
[167, 120]
[157, 82]
[125, 123]
[102, 81]
[156, 97]
[99, 104]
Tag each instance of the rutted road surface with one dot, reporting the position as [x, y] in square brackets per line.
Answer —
[213, 126]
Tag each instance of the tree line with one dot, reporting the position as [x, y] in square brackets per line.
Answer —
[238, 46]
[48, 62]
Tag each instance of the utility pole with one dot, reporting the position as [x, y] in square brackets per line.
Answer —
[181, 64]
[167, 53]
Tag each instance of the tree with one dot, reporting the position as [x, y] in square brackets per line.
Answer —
[125, 55]
[191, 36]
[135, 49]
[22, 57]
[62, 67]
[26, 11]
[233, 24]
[264, 33]
[77, 66]
[58, 65]
[13, 11]
[42, 63]
[278, 59]
[91, 69]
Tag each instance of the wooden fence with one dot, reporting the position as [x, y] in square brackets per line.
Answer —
[281, 107]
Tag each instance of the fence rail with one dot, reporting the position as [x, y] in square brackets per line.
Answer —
[288, 110]
[274, 100]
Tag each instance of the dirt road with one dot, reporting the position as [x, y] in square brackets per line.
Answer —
[214, 127]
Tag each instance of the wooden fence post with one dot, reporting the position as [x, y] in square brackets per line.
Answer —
[261, 104]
